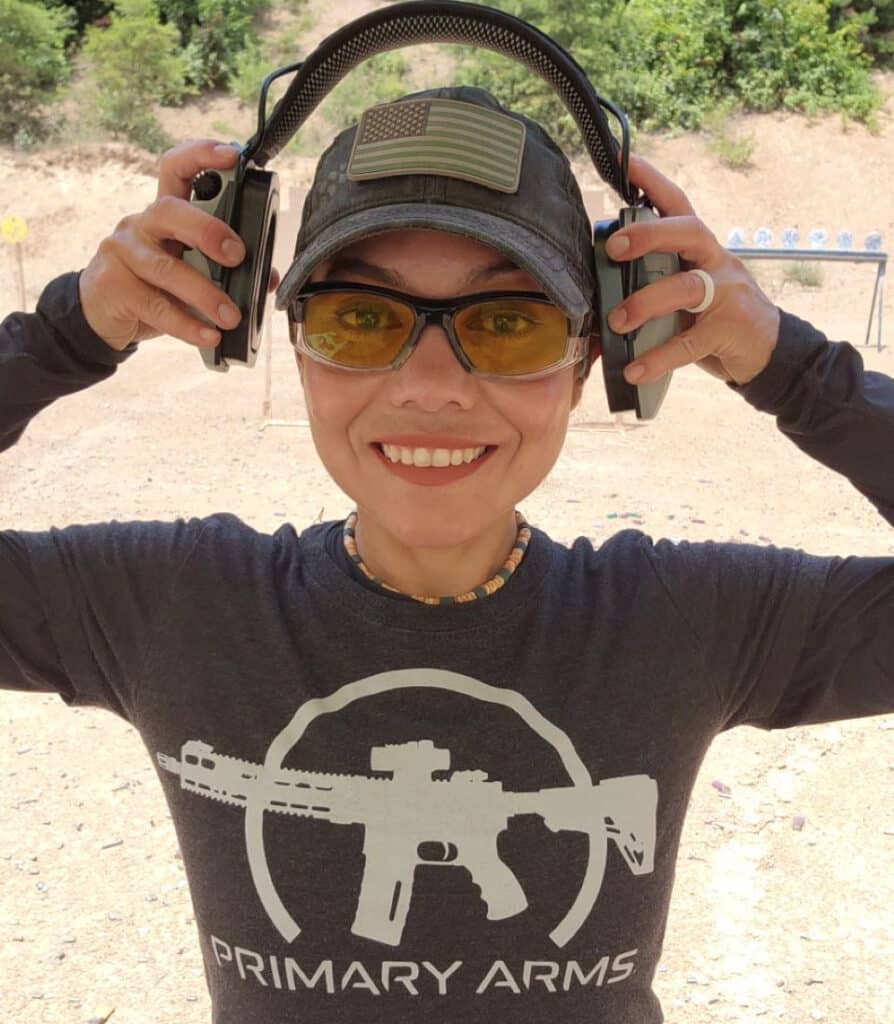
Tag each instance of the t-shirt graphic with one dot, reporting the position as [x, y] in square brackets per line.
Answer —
[415, 811]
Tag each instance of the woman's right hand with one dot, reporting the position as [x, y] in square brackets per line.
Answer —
[137, 286]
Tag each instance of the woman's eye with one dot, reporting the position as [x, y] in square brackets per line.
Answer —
[505, 323]
[368, 318]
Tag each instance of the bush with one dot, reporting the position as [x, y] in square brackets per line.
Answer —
[32, 67]
[784, 55]
[252, 65]
[808, 275]
[663, 63]
[874, 23]
[668, 64]
[133, 65]
[657, 59]
[79, 14]
[223, 31]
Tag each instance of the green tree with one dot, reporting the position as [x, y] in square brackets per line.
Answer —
[80, 14]
[783, 54]
[134, 64]
[668, 63]
[658, 59]
[663, 62]
[223, 31]
[874, 20]
[32, 67]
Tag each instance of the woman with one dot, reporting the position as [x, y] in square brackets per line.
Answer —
[427, 763]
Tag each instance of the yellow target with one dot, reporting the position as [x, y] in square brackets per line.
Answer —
[13, 229]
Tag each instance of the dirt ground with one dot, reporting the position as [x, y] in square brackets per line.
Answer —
[768, 922]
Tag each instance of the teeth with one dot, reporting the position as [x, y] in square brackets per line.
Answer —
[437, 457]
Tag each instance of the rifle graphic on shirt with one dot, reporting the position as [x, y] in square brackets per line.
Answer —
[411, 818]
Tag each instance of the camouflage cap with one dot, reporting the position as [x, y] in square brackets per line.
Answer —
[451, 159]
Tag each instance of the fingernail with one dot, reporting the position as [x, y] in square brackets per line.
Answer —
[634, 372]
[234, 251]
[617, 318]
[617, 245]
[229, 314]
[223, 150]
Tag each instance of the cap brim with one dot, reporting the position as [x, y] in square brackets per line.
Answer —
[530, 251]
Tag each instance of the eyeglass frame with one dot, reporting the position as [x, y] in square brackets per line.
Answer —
[441, 313]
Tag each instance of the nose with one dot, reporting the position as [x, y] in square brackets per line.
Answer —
[433, 377]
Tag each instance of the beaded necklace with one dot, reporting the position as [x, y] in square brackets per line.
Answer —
[482, 590]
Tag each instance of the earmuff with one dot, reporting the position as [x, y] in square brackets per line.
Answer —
[246, 198]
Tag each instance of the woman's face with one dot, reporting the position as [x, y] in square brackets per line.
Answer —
[431, 402]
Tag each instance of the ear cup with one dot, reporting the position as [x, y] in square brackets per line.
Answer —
[254, 220]
[251, 211]
[616, 282]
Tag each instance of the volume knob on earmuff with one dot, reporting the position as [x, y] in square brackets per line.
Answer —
[207, 185]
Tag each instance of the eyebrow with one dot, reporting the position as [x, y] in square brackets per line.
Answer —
[355, 265]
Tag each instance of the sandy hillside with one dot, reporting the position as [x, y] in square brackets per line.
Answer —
[767, 922]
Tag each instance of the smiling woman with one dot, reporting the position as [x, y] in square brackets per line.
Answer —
[431, 682]
[423, 527]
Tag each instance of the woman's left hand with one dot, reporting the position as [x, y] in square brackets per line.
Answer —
[735, 336]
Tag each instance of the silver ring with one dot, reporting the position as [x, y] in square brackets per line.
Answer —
[708, 282]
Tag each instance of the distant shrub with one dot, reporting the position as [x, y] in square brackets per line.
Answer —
[731, 147]
[223, 29]
[667, 63]
[784, 55]
[79, 14]
[32, 67]
[252, 65]
[808, 275]
[134, 64]
[664, 59]
[874, 24]
[659, 60]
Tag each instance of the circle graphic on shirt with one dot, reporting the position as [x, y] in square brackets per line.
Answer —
[446, 819]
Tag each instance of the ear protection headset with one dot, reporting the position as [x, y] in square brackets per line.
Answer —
[246, 198]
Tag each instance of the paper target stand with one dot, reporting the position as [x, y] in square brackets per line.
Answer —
[844, 252]
[14, 231]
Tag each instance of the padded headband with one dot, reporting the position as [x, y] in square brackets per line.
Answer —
[449, 21]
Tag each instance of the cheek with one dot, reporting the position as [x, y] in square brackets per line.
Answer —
[540, 409]
[331, 399]
[334, 402]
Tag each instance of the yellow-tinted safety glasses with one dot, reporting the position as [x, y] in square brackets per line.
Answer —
[504, 335]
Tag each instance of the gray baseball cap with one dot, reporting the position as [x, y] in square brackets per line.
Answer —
[451, 159]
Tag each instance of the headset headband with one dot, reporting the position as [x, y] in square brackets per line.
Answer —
[450, 21]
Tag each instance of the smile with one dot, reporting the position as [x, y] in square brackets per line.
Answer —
[437, 457]
[431, 467]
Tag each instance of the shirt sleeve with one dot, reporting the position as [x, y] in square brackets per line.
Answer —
[47, 354]
[80, 606]
[785, 638]
[832, 408]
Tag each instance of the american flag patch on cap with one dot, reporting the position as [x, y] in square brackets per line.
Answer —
[437, 136]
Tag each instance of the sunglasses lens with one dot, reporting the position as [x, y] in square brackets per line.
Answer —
[354, 329]
[512, 336]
